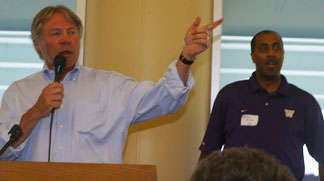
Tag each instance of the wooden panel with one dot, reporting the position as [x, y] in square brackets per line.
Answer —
[75, 171]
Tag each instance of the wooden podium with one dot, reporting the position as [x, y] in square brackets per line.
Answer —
[10, 170]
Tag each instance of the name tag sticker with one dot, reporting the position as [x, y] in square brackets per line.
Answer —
[249, 120]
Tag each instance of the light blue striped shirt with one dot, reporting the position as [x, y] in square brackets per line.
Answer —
[97, 109]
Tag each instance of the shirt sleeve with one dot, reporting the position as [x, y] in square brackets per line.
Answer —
[314, 130]
[215, 137]
[8, 118]
[147, 100]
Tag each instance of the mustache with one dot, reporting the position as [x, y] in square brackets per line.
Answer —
[272, 61]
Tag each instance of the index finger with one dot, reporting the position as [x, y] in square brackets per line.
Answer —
[55, 84]
[210, 26]
[214, 24]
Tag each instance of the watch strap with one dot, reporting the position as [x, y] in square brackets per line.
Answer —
[184, 60]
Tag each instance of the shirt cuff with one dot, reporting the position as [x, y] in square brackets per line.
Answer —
[175, 76]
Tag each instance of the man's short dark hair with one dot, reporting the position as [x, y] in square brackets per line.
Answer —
[262, 32]
[241, 164]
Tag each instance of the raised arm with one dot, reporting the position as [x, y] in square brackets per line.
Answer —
[196, 41]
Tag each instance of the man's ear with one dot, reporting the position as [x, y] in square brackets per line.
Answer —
[37, 46]
[252, 57]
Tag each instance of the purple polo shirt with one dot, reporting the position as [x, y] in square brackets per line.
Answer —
[244, 114]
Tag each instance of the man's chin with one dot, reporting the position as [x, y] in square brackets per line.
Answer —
[270, 77]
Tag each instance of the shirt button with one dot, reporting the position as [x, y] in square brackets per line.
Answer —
[61, 126]
[266, 104]
[61, 147]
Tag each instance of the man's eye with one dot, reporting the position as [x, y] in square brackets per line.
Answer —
[263, 48]
[72, 32]
[277, 47]
[54, 33]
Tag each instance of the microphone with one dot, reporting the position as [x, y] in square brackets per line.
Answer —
[15, 132]
[59, 65]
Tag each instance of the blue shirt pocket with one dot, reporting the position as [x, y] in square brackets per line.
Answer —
[89, 117]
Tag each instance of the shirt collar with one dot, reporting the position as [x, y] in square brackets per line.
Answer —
[72, 75]
[282, 90]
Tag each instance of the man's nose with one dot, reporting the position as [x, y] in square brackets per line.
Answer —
[271, 52]
[65, 39]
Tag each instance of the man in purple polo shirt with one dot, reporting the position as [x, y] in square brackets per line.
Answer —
[267, 112]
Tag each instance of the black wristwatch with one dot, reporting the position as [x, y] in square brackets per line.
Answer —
[184, 60]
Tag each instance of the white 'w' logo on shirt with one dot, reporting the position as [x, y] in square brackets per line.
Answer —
[289, 113]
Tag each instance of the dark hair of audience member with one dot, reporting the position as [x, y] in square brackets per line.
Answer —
[241, 164]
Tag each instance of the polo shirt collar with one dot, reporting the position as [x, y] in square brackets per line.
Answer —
[282, 90]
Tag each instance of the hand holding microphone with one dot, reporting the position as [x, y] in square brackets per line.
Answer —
[52, 95]
[50, 98]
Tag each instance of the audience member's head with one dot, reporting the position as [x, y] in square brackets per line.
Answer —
[241, 164]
